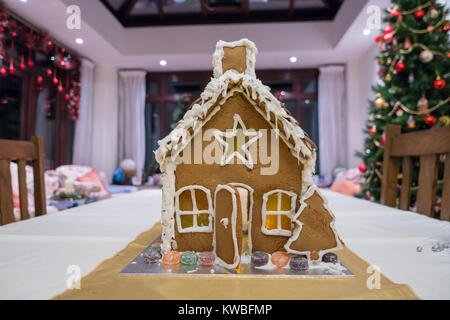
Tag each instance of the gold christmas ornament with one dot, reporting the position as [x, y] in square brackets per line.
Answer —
[426, 56]
[444, 121]
[380, 103]
[433, 13]
[422, 105]
[387, 78]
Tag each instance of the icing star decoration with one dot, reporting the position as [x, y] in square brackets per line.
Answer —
[237, 142]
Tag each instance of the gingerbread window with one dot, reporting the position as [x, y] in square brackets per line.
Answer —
[277, 212]
[193, 209]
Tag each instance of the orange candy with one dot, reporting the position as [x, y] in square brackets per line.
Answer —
[171, 257]
[280, 259]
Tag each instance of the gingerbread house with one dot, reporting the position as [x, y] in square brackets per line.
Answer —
[222, 190]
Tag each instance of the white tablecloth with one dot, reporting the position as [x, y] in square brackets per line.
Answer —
[35, 254]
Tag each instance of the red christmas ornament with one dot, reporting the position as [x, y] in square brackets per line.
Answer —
[419, 14]
[49, 72]
[3, 72]
[39, 79]
[400, 66]
[12, 70]
[55, 81]
[278, 95]
[67, 97]
[389, 37]
[60, 88]
[30, 63]
[383, 140]
[362, 167]
[439, 84]
[378, 38]
[394, 13]
[388, 29]
[430, 120]
[22, 62]
[407, 43]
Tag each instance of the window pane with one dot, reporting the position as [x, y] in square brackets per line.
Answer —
[187, 221]
[285, 202]
[201, 199]
[290, 105]
[152, 135]
[279, 86]
[271, 221]
[171, 117]
[152, 88]
[272, 202]
[309, 86]
[46, 124]
[310, 123]
[10, 107]
[181, 88]
[203, 220]
[286, 223]
[185, 201]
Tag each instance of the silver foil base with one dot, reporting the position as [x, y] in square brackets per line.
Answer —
[316, 269]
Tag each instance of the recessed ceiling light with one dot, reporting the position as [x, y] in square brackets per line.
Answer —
[293, 59]
[163, 62]
[79, 40]
[23, 0]
[366, 32]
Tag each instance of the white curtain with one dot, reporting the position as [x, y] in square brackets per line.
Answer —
[132, 118]
[332, 120]
[82, 145]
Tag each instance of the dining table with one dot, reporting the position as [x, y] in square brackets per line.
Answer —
[40, 255]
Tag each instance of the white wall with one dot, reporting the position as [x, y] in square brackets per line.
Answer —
[361, 75]
[105, 119]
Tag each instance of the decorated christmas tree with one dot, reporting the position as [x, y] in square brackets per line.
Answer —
[413, 89]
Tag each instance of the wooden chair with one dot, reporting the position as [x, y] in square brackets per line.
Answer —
[428, 145]
[21, 151]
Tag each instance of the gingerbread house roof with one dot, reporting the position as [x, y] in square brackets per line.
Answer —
[219, 89]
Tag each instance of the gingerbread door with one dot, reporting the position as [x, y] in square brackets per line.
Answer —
[227, 226]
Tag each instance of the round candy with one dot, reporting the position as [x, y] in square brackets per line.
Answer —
[189, 258]
[330, 257]
[171, 257]
[206, 258]
[280, 259]
[299, 263]
[151, 256]
[259, 258]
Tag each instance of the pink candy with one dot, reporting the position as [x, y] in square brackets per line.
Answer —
[171, 257]
[280, 259]
[206, 258]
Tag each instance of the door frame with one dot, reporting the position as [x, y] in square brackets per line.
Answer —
[237, 257]
[250, 210]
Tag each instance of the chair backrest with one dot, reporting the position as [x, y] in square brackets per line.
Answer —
[22, 152]
[427, 145]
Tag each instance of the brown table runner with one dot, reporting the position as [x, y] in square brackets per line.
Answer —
[105, 282]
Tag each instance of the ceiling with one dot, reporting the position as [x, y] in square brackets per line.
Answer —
[132, 13]
[190, 47]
